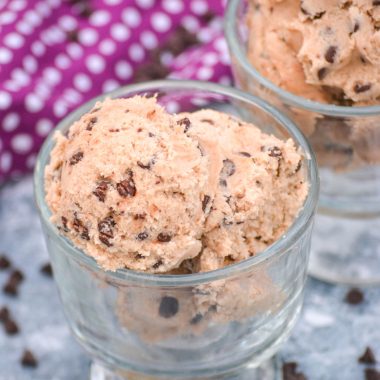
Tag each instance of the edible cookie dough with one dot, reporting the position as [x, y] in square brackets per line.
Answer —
[326, 51]
[136, 187]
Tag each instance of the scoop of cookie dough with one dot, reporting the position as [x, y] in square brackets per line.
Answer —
[136, 187]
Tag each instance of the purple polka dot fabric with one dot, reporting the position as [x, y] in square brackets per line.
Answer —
[57, 54]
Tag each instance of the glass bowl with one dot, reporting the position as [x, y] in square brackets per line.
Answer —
[209, 325]
[346, 140]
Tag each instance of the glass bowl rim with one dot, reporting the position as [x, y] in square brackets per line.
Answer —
[236, 50]
[291, 236]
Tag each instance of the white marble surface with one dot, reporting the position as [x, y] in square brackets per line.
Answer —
[326, 341]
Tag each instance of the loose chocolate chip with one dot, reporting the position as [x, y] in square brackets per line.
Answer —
[205, 201]
[127, 187]
[72, 35]
[274, 152]
[104, 240]
[144, 166]
[164, 237]
[47, 270]
[64, 223]
[16, 276]
[322, 73]
[91, 123]
[196, 319]
[359, 88]
[4, 314]
[10, 326]
[354, 297]
[142, 236]
[139, 256]
[101, 191]
[245, 154]
[10, 288]
[168, 307]
[139, 216]
[228, 169]
[368, 357]
[209, 121]
[186, 122]
[105, 227]
[28, 359]
[4, 262]
[330, 54]
[76, 158]
[157, 264]
[371, 373]
[289, 372]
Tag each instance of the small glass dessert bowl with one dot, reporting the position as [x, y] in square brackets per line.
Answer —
[346, 140]
[209, 325]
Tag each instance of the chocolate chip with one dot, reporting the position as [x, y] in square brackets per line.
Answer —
[144, 166]
[258, 237]
[101, 191]
[359, 88]
[371, 373]
[10, 326]
[322, 73]
[376, 2]
[4, 262]
[16, 276]
[64, 223]
[157, 264]
[368, 357]
[196, 319]
[142, 236]
[186, 122]
[105, 227]
[209, 121]
[91, 123]
[76, 158]
[227, 222]
[223, 182]
[275, 152]
[127, 187]
[289, 372]
[47, 270]
[86, 11]
[139, 256]
[105, 240]
[10, 288]
[330, 54]
[228, 169]
[245, 154]
[164, 237]
[28, 359]
[298, 168]
[168, 307]
[84, 234]
[354, 297]
[205, 201]
[357, 25]
[4, 314]
[139, 216]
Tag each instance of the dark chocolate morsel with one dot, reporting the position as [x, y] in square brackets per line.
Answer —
[354, 296]
[331, 54]
[368, 357]
[142, 236]
[322, 73]
[359, 88]
[185, 122]
[164, 237]
[196, 319]
[206, 200]
[76, 158]
[245, 154]
[28, 359]
[228, 169]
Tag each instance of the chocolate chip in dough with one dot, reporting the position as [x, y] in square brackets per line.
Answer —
[322, 73]
[206, 200]
[186, 123]
[169, 307]
[127, 187]
[164, 237]
[101, 191]
[76, 158]
[359, 88]
[229, 168]
[91, 123]
[331, 54]
[157, 264]
[142, 236]
[245, 154]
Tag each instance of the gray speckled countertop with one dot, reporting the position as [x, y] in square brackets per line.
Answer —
[326, 342]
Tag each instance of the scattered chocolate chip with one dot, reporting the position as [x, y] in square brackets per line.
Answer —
[139, 256]
[209, 121]
[223, 182]
[105, 226]
[76, 158]
[371, 373]
[28, 359]
[150, 134]
[228, 169]
[227, 222]
[322, 73]
[10, 288]
[10, 326]
[105, 240]
[139, 216]
[186, 122]
[101, 191]
[168, 307]
[330, 54]
[114, 130]
[84, 234]
[205, 201]
[164, 237]
[275, 152]
[157, 264]
[16, 276]
[4, 314]
[72, 35]
[359, 88]
[298, 168]
[144, 166]
[64, 223]
[314, 16]
[354, 297]
[212, 308]
[357, 26]
[245, 154]
[258, 237]
[4, 262]
[196, 319]
[142, 236]
[77, 223]
[368, 357]
[47, 270]
[91, 123]
[127, 187]
[289, 372]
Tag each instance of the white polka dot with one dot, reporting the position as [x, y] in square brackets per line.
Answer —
[161, 22]
[33, 18]
[123, 70]
[210, 59]
[145, 3]
[7, 18]
[14, 40]
[24, 28]
[110, 85]
[43, 127]
[59, 108]
[42, 90]
[22, 143]
[225, 80]
[191, 23]
[205, 73]
[57, 36]
[149, 39]
[11, 122]
[62, 61]
[5, 55]
[88, 37]
[33, 103]
[205, 35]
[173, 6]
[5, 100]
[120, 32]
[75, 51]
[107, 47]
[72, 96]
[136, 52]
[68, 23]
[52, 76]
[172, 106]
[199, 102]
[5, 161]
[199, 7]
[112, 2]
[20, 77]
[221, 45]
[82, 82]
[11, 86]
[43, 9]
[38, 48]
[100, 18]
[131, 16]
[17, 5]
[31, 161]
[30, 64]
[95, 63]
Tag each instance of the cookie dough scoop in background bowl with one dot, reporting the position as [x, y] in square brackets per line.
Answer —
[178, 229]
[303, 57]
